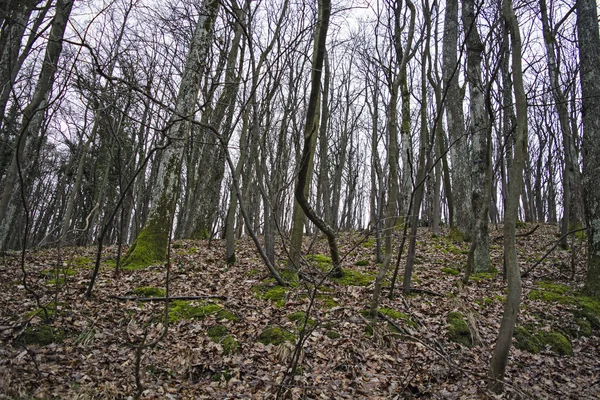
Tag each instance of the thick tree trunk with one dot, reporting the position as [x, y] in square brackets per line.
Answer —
[589, 54]
[461, 176]
[151, 244]
[480, 131]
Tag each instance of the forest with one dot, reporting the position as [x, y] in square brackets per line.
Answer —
[299, 199]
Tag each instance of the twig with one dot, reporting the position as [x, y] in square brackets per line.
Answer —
[170, 298]
[524, 274]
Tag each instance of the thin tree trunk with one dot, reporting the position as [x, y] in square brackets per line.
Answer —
[513, 298]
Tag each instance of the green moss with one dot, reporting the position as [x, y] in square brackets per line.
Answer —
[367, 244]
[276, 294]
[53, 282]
[149, 291]
[321, 261]
[501, 299]
[533, 342]
[224, 314]
[49, 315]
[450, 271]
[549, 297]
[185, 310]
[589, 304]
[584, 328]
[362, 263]
[333, 334]
[230, 345]
[42, 335]
[558, 343]
[458, 331]
[354, 278]
[253, 272]
[82, 262]
[328, 301]
[150, 247]
[455, 235]
[299, 317]
[388, 312]
[554, 287]
[480, 276]
[525, 340]
[591, 317]
[217, 332]
[291, 277]
[521, 224]
[275, 335]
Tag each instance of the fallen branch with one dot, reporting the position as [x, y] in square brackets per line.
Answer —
[520, 234]
[146, 299]
[524, 274]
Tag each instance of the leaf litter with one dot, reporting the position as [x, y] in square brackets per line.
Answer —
[344, 355]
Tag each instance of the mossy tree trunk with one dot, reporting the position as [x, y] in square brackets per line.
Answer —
[513, 298]
[589, 54]
[152, 241]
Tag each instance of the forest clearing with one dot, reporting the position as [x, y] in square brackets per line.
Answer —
[238, 339]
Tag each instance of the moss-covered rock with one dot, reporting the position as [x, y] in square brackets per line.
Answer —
[42, 335]
[550, 297]
[186, 310]
[557, 342]
[525, 340]
[149, 291]
[219, 334]
[362, 263]
[458, 329]
[275, 335]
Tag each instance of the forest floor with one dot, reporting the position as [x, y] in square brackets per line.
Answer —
[240, 338]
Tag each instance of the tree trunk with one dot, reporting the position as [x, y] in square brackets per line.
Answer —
[480, 131]
[589, 54]
[513, 298]
[42, 89]
[151, 244]
[456, 122]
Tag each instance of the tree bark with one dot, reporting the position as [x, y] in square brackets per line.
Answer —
[151, 244]
[513, 298]
[589, 55]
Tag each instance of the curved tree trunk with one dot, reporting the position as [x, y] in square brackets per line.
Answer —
[311, 130]
[513, 298]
